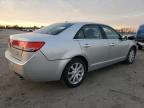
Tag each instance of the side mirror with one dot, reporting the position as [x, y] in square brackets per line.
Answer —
[124, 38]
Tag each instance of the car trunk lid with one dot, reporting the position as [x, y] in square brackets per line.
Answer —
[24, 46]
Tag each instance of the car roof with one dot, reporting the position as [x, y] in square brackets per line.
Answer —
[84, 23]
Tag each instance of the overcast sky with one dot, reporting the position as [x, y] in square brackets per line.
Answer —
[44, 12]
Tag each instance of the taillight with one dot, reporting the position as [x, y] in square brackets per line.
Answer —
[26, 46]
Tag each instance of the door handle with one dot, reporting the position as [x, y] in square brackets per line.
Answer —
[86, 45]
[112, 44]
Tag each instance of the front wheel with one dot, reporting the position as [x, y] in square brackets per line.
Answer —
[139, 47]
[131, 56]
[74, 73]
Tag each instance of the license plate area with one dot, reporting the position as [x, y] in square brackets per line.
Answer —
[16, 53]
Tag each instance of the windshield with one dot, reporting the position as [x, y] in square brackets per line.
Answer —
[54, 29]
[141, 31]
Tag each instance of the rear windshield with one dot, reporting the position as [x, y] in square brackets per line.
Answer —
[54, 29]
[141, 31]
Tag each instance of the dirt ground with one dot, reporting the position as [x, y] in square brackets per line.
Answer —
[117, 86]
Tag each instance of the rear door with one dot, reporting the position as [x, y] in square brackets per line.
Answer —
[117, 47]
[93, 44]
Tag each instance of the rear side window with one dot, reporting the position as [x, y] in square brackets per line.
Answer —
[54, 29]
[89, 32]
[110, 33]
[80, 35]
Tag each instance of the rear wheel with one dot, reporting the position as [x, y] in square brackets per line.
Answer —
[74, 73]
[131, 56]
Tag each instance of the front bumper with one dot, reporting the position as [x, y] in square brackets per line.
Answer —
[140, 43]
[37, 68]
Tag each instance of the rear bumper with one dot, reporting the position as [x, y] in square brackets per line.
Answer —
[37, 68]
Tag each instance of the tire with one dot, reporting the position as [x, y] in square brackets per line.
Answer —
[72, 76]
[140, 47]
[131, 56]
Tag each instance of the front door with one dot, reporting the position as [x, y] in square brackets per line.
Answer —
[117, 47]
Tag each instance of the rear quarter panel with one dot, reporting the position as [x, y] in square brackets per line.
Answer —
[59, 48]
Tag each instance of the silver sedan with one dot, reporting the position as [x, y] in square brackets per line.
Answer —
[67, 51]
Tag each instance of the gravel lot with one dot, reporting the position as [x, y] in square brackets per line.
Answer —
[117, 86]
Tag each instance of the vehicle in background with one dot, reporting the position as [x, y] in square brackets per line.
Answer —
[28, 30]
[67, 51]
[140, 37]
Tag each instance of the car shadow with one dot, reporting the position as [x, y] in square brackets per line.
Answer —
[60, 85]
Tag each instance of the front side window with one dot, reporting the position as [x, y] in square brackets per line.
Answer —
[54, 29]
[110, 34]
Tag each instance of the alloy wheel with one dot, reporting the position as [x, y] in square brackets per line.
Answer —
[76, 73]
